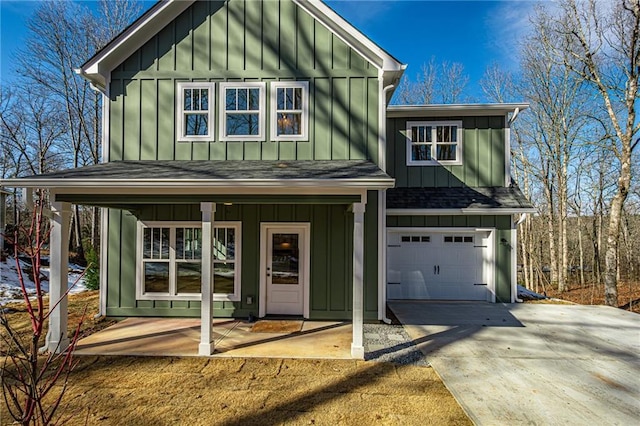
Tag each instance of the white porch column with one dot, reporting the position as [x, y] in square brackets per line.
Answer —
[57, 339]
[357, 345]
[206, 311]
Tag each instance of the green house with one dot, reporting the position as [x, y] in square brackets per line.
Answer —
[252, 165]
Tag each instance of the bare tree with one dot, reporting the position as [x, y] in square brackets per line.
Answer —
[603, 43]
[443, 83]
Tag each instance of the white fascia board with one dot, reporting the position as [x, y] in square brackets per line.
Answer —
[399, 111]
[458, 212]
[350, 35]
[185, 185]
[98, 68]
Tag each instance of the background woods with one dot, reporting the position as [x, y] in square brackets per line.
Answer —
[575, 150]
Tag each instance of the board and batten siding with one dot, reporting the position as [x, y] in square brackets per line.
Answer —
[331, 247]
[502, 226]
[244, 40]
[483, 155]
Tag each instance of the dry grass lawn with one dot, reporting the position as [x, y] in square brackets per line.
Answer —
[202, 391]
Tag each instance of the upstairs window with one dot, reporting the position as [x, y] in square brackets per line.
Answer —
[290, 110]
[243, 111]
[195, 111]
[433, 143]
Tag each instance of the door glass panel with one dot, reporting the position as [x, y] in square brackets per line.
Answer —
[285, 256]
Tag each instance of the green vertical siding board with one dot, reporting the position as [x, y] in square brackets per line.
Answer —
[304, 38]
[320, 265]
[503, 266]
[128, 261]
[358, 127]
[371, 124]
[288, 35]
[287, 150]
[337, 263]
[445, 221]
[474, 221]
[113, 258]
[271, 35]
[322, 49]
[132, 108]
[235, 43]
[253, 32]
[488, 221]
[404, 221]
[166, 46]
[148, 121]
[184, 41]
[145, 304]
[132, 63]
[470, 156]
[322, 118]
[392, 221]
[339, 119]
[201, 35]
[402, 174]
[166, 120]
[340, 54]
[269, 151]
[432, 221]
[235, 151]
[148, 55]
[218, 56]
[484, 158]
[116, 121]
[418, 221]
[497, 157]
[503, 222]
[251, 150]
[218, 151]
[459, 221]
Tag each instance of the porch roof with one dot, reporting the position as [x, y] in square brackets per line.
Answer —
[460, 200]
[179, 176]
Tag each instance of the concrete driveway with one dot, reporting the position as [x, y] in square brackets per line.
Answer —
[532, 364]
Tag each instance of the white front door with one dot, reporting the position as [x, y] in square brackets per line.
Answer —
[285, 264]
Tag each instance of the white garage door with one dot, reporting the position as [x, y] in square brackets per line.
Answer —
[438, 266]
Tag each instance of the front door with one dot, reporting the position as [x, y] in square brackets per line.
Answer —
[285, 269]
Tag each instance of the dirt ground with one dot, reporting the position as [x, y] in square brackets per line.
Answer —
[226, 391]
[628, 295]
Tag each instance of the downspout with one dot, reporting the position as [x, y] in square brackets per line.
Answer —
[514, 254]
[514, 229]
[382, 204]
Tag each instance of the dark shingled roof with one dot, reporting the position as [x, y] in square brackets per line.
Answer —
[221, 170]
[457, 198]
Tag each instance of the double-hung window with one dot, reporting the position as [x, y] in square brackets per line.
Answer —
[195, 111]
[434, 142]
[289, 110]
[170, 261]
[243, 111]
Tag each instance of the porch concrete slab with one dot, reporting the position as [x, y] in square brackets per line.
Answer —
[533, 364]
[181, 337]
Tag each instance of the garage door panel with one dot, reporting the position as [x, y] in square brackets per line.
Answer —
[436, 266]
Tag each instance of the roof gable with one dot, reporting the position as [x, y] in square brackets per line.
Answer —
[98, 68]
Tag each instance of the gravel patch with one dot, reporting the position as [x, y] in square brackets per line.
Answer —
[391, 343]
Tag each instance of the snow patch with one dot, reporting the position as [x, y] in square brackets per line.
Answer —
[526, 294]
[10, 283]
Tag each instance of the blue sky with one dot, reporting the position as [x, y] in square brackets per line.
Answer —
[474, 33]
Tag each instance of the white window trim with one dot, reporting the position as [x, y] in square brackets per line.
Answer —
[173, 225]
[261, 111]
[180, 122]
[304, 120]
[434, 161]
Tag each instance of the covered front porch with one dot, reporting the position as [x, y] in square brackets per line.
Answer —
[232, 338]
[208, 187]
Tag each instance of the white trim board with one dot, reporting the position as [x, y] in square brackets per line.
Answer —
[459, 212]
